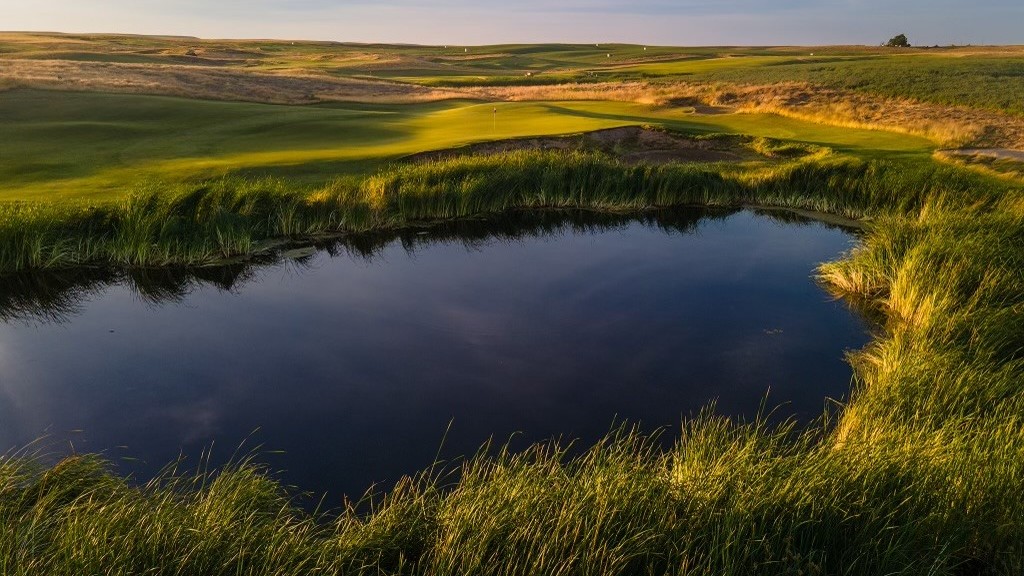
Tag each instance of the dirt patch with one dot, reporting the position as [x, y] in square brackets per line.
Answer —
[1001, 162]
[696, 106]
[630, 144]
[995, 153]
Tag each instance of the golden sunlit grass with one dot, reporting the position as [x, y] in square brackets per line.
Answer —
[784, 81]
[920, 473]
[112, 143]
[951, 127]
[207, 82]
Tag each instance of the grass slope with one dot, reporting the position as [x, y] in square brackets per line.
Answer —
[920, 474]
[98, 147]
[977, 80]
[980, 77]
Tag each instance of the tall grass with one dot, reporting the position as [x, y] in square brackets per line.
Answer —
[975, 81]
[55, 296]
[920, 474]
[231, 217]
[728, 498]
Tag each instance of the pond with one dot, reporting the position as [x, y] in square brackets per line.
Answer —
[348, 365]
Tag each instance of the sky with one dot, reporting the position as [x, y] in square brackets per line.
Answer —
[664, 22]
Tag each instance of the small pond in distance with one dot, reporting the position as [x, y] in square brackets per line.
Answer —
[347, 366]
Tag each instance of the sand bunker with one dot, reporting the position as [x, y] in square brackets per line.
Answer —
[631, 144]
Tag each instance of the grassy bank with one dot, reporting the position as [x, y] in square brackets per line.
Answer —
[59, 295]
[195, 224]
[921, 473]
[109, 143]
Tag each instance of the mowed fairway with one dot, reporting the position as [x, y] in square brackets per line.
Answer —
[97, 147]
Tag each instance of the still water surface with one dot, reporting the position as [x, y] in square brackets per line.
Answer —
[354, 361]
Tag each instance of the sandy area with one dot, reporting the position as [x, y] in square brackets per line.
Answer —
[997, 153]
[631, 144]
[206, 82]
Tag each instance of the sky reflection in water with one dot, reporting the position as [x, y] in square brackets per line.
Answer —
[354, 366]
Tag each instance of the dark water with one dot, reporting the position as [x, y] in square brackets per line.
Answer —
[354, 361]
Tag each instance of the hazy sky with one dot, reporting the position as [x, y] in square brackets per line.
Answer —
[679, 22]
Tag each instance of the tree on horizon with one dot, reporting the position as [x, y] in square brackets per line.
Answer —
[898, 41]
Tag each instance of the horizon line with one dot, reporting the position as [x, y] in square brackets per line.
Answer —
[554, 42]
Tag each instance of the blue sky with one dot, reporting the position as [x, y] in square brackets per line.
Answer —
[680, 22]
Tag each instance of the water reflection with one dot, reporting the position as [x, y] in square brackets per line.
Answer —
[57, 296]
[355, 358]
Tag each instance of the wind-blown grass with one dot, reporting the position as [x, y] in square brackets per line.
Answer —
[56, 295]
[973, 80]
[727, 499]
[201, 224]
[921, 473]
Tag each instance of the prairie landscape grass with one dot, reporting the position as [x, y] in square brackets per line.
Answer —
[839, 108]
[920, 473]
[923, 479]
[972, 76]
[980, 80]
[957, 95]
[96, 147]
[208, 222]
